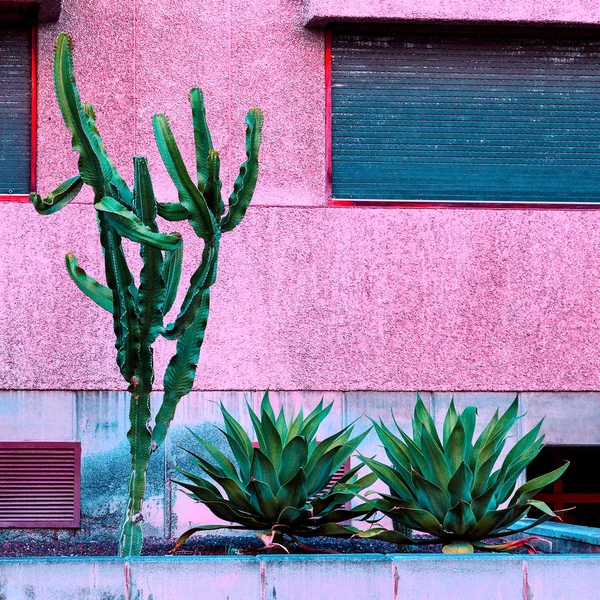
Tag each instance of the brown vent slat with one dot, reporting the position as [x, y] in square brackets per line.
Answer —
[39, 484]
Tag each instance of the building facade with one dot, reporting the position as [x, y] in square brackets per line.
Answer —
[367, 267]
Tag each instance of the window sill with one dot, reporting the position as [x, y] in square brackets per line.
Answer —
[320, 13]
[14, 198]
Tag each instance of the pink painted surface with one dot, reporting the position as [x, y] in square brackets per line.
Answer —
[334, 298]
[308, 297]
[322, 12]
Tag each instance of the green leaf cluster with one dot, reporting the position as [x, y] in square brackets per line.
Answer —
[281, 483]
[454, 486]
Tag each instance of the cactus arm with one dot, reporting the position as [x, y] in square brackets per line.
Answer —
[201, 219]
[140, 440]
[202, 137]
[201, 280]
[212, 190]
[151, 294]
[90, 165]
[123, 191]
[181, 371]
[172, 211]
[244, 185]
[171, 276]
[61, 196]
[129, 226]
[120, 282]
[99, 293]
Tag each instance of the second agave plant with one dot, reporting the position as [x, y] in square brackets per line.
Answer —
[280, 485]
[450, 486]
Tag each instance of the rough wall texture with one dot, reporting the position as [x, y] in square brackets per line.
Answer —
[322, 12]
[308, 297]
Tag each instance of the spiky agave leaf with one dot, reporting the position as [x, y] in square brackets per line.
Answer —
[451, 487]
[281, 483]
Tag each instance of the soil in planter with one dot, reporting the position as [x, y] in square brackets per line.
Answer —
[207, 545]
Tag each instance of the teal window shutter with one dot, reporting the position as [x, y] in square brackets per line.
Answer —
[467, 118]
[15, 108]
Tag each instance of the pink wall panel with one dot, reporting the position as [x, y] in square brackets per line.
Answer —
[334, 298]
[308, 297]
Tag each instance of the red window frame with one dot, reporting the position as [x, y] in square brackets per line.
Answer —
[340, 202]
[33, 182]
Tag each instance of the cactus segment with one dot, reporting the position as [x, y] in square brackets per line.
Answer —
[140, 440]
[212, 190]
[61, 196]
[181, 371]
[172, 211]
[201, 219]
[202, 137]
[201, 280]
[151, 293]
[171, 276]
[129, 226]
[99, 293]
[120, 281]
[243, 188]
[92, 170]
[123, 192]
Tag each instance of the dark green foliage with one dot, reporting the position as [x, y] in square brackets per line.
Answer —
[138, 311]
[450, 485]
[279, 487]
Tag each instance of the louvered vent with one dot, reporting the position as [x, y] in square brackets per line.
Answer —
[39, 484]
[469, 116]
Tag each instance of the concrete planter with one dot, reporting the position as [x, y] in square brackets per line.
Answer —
[356, 577]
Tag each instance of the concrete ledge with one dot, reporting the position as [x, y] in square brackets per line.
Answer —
[565, 538]
[320, 13]
[350, 577]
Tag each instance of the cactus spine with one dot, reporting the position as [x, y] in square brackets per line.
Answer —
[138, 312]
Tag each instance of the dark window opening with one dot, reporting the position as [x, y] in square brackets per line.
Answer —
[16, 107]
[578, 487]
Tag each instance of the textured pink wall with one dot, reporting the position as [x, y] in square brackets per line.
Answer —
[335, 298]
[321, 12]
[308, 297]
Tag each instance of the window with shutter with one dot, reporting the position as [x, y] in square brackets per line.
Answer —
[16, 110]
[468, 116]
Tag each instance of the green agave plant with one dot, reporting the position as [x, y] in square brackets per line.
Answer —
[449, 487]
[279, 486]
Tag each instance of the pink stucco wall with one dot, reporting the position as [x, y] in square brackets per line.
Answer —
[308, 297]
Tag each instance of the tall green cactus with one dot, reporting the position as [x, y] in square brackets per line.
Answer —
[139, 311]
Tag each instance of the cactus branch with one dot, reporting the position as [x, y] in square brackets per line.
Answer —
[181, 371]
[61, 196]
[201, 219]
[244, 185]
[99, 293]
[202, 137]
[129, 226]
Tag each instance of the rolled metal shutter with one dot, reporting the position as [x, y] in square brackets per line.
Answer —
[40, 484]
[15, 108]
[466, 118]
